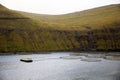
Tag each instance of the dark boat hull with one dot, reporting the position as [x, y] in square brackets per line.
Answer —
[24, 60]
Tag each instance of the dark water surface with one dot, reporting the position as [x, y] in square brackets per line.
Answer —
[52, 67]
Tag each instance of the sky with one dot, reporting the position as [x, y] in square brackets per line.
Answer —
[55, 7]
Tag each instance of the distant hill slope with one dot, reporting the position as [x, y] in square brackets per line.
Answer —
[9, 14]
[94, 18]
[94, 29]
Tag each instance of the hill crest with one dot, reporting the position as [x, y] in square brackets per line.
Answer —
[60, 33]
[6, 13]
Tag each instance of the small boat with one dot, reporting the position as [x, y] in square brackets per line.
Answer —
[26, 59]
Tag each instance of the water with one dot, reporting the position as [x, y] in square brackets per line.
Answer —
[52, 67]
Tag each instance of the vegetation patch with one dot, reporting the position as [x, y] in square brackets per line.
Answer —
[91, 30]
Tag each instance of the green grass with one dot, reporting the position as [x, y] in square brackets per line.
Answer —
[10, 14]
[95, 29]
[94, 18]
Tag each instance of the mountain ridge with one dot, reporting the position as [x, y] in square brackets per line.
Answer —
[93, 30]
[6, 13]
[82, 18]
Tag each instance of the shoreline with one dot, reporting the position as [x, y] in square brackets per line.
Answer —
[49, 52]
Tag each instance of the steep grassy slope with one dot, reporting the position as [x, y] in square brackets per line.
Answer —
[96, 29]
[21, 33]
[6, 13]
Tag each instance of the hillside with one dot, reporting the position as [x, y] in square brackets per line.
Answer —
[94, 18]
[94, 29]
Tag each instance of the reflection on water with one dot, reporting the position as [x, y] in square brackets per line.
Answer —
[53, 67]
